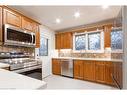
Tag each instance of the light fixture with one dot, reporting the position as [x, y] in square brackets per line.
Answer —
[77, 14]
[105, 6]
[58, 20]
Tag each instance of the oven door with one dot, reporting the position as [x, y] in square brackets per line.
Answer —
[17, 36]
[36, 73]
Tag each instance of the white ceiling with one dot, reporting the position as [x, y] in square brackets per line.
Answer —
[89, 14]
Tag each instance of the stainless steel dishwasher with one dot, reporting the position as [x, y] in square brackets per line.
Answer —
[67, 67]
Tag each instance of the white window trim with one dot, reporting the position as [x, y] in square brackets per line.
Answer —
[89, 51]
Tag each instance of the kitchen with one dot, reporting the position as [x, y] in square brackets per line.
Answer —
[77, 52]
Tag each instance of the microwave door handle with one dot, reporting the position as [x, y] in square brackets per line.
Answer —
[32, 39]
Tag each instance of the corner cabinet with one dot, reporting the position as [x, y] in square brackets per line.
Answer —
[11, 17]
[64, 40]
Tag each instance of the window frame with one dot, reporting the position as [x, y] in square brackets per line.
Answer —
[117, 50]
[87, 50]
[47, 42]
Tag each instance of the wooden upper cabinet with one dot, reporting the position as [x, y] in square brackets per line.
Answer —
[107, 37]
[57, 41]
[56, 66]
[78, 69]
[64, 40]
[37, 33]
[38, 39]
[12, 18]
[68, 40]
[27, 24]
[89, 70]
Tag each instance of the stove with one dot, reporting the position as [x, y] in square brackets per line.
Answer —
[18, 61]
[22, 63]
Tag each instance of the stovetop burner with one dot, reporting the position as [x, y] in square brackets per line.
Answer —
[4, 55]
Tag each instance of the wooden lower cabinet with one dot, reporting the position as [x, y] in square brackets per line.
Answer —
[100, 72]
[78, 69]
[89, 70]
[117, 74]
[108, 73]
[96, 71]
[104, 72]
[56, 66]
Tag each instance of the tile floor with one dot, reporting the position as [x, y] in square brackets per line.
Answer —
[59, 82]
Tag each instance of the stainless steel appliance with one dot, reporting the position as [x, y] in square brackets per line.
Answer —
[67, 67]
[22, 64]
[18, 37]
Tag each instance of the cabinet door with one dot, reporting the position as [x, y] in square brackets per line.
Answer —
[58, 41]
[107, 38]
[37, 34]
[37, 39]
[78, 69]
[89, 70]
[27, 24]
[1, 32]
[68, 40]
[56, 67]
[108, 73]
[62, 41]
[35, 27]
[117, 73]
[12, 18]
[100, 72]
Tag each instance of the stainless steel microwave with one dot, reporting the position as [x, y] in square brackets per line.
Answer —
[18, 37]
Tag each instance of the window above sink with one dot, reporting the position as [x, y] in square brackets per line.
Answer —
[92, 41]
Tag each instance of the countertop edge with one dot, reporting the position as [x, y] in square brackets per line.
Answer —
[94, 59]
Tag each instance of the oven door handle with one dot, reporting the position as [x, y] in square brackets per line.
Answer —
[28, 69]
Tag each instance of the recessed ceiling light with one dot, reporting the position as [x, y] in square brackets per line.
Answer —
[105, 6]
[77, 14]
[58, 20]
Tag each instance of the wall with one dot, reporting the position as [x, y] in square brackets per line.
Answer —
[125, 47]
[50, 34]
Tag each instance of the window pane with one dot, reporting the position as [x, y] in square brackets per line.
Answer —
[80, 42]
[94, 41]
[43, 50]
[116, 39]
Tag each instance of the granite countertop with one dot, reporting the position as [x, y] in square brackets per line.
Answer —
[11, 80]
[3, 65]
[96, 59]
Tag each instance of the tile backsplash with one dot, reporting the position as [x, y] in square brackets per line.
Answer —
[29, 50]
[90, 55]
